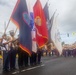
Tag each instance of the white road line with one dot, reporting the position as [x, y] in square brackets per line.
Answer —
[35, 67]
[48, 61]
[15, 72]
[28, 69]
[23, 70]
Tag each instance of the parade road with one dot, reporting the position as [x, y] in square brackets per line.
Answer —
[49, 66]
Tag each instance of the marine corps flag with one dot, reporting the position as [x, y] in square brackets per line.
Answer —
[21, 19]
[40, 24]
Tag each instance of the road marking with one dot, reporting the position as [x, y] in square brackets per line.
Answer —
[15, 72]
[23, 70]
[28, 69]
[48, 61]
[35, 67]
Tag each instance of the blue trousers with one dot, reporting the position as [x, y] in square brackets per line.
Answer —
[5, 60]
[12, 58]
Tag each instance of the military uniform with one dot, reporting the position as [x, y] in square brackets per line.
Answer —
[12, 52]
[5, 55]
[25, 58]
[39, 52]
[20, 57]
[33, 59]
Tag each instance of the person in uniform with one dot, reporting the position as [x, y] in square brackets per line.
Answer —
[65, 52]
[74, 52]
[25, 59]
[20, 54]
[39, 52]
[12, 51]
[33, 59]
[22, 57]
[5, 48]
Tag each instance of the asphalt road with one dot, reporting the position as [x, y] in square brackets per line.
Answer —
[49, 66]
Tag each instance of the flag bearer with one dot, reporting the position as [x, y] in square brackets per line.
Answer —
[5, 48]
[12, 51]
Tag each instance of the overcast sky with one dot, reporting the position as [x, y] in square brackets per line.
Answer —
[6, 8]
[65, 8]
[67, 13]
[66, 18]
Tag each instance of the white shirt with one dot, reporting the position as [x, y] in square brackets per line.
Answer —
[6, 46]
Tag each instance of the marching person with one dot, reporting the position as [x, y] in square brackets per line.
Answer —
[74, 52]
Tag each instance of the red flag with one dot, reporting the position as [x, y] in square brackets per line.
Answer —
[40, 23]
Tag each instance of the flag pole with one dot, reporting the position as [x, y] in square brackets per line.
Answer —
[6, 26]
[15, 31]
